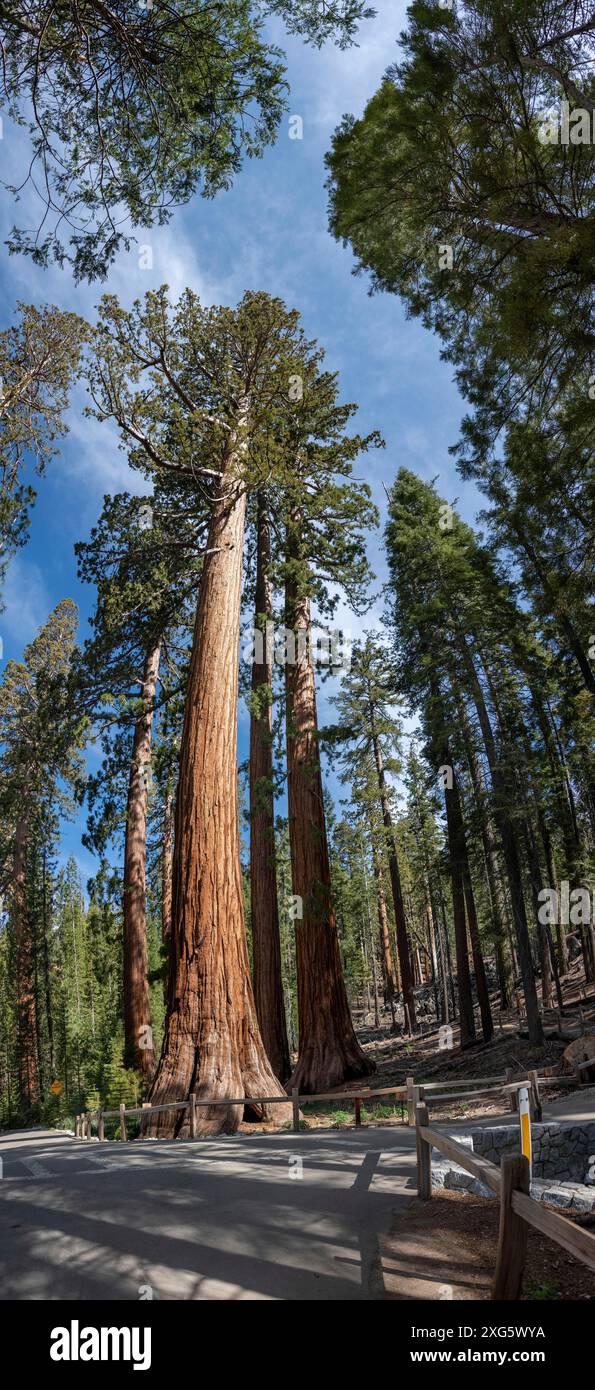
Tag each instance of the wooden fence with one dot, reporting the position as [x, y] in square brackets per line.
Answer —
[518, 1210]
[409, 1094]
[437, 1092]
[84, 1123]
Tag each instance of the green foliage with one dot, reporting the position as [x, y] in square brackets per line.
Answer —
[131, 109]
[39, 355]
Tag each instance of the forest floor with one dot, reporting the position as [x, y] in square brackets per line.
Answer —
[398, 1057]
[446, 1249]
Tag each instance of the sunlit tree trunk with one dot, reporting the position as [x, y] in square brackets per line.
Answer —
[139, 1051]
[390, 984]
[395, 879]
[329, 1052]
[167, 856]
[26, 1002]
[266, 944]
[212, 1045]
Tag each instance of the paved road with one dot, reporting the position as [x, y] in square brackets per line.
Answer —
[208, 1220]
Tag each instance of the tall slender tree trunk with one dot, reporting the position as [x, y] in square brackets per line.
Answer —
[266, 943]
[212, 1045]
[167, 864]
[390, 985]
[139, 1051]
[502, 797]
[370, 939]
[458, 858]
[46, 963]
[395, 879]
[329, 1052]
[483, 996]
[28, 1061]
[490, 851]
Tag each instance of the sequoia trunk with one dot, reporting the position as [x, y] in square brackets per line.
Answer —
[138, 1038]
[167, 855]
[329, 1052]
[212, 1045]
[266, 944]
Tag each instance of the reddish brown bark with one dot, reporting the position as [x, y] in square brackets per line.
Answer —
[212, 1045]
[167, 855]
[28, 1061]
[139, 1051]
[390, 984]
[266, 942]
[329, 1052]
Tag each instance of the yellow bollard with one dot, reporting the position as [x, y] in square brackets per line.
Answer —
[525, 1121]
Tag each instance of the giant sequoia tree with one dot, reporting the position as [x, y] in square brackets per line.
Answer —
[132, 108]
[323, 512]
[264, 905]
[198, 391]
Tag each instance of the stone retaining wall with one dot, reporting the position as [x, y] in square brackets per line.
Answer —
[562, 1173]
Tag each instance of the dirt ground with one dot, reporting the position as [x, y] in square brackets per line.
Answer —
[446, 1249]
[398, 1057]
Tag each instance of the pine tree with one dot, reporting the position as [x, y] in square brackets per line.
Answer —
[145, 580]
[437, 574]
[365, 709]
[40, 733]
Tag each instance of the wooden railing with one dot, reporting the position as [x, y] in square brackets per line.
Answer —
[517, 1208]
[437, 1092]
[84, 1122]
[431, 1091]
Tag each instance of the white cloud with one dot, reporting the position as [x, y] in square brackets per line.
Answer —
[27, 603]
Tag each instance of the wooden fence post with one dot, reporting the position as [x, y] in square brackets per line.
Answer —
[101, 1126]
[424, 1153]
[295, 1101]
[410, 1105]
[512, 1236]
[513, 1094]
[192, 1103]
[358, 1110]
[122, 1122]
[535, 1097]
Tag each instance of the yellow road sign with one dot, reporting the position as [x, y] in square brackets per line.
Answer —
[56, 1087]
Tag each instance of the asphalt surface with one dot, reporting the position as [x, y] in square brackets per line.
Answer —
[273, 1216]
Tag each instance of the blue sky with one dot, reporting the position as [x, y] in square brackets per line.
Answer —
[268, 233]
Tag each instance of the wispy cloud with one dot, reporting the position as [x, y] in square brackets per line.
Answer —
[27, 604]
